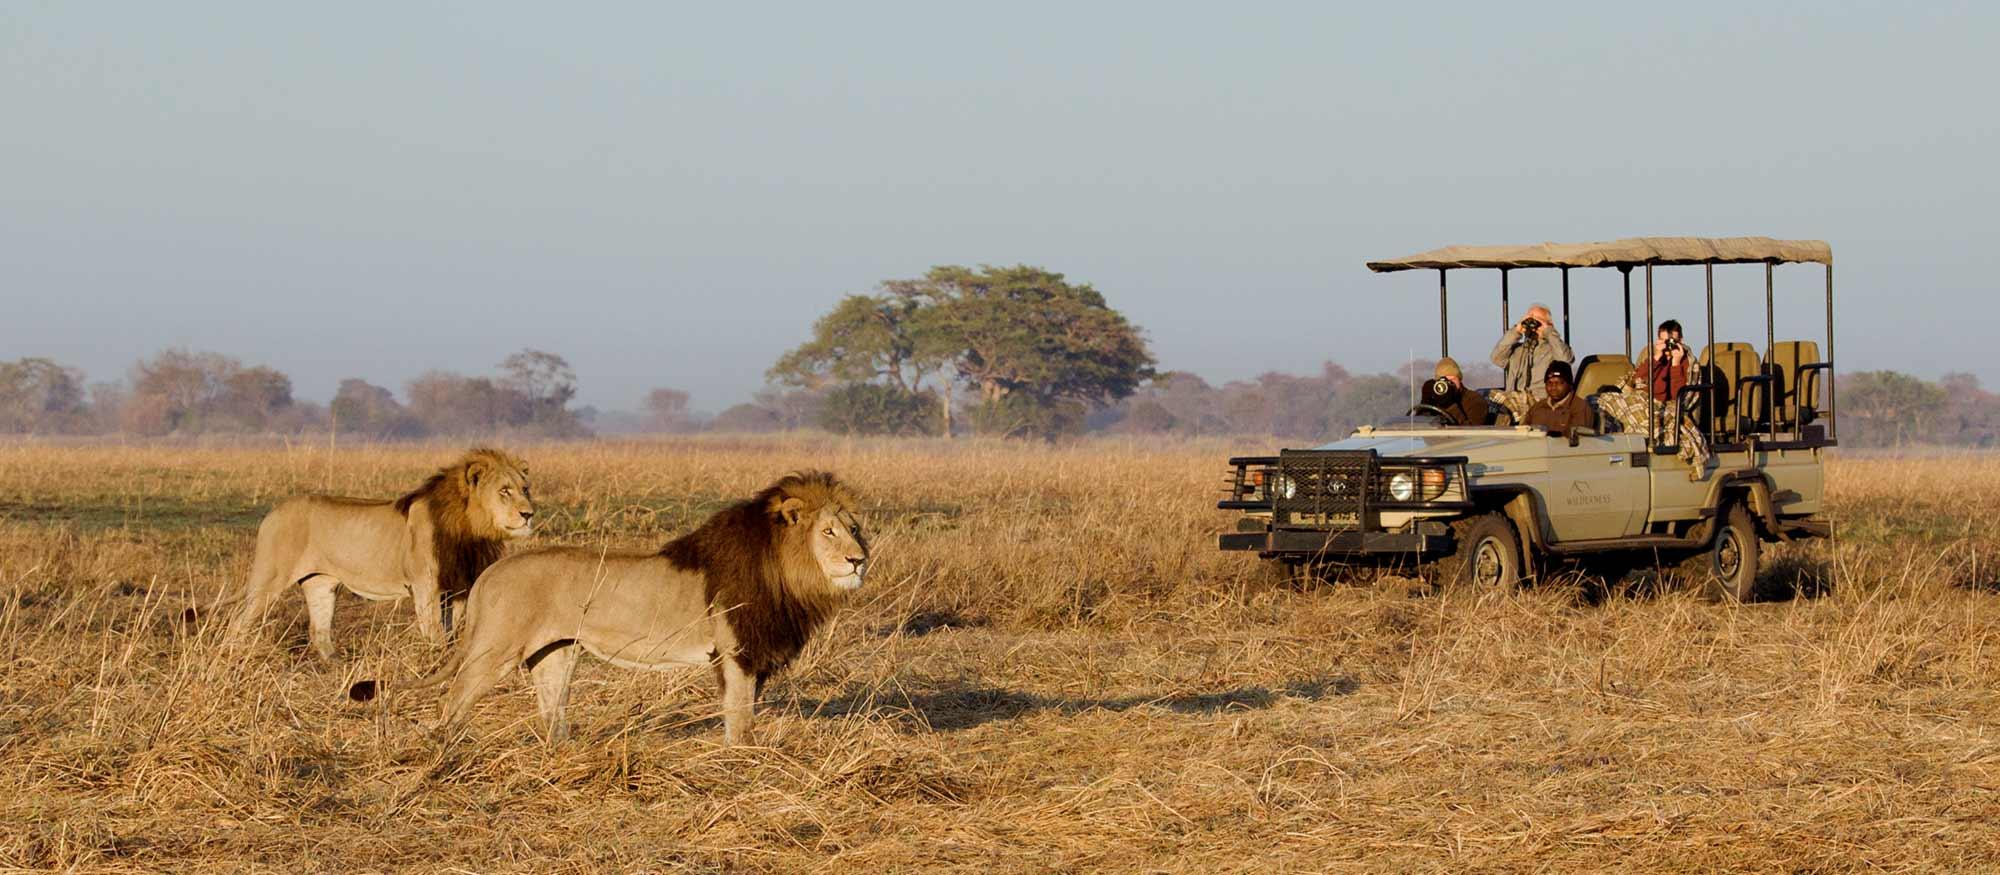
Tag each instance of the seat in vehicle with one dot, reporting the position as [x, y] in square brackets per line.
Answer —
[1796, 375]
[1602, 373]
[1738, 406]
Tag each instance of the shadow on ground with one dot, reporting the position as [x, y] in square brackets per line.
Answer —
[1788, 576]
[958, 707]
[1793, 576]
[924, 623]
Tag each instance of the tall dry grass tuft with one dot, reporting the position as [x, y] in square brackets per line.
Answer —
[1052, 668]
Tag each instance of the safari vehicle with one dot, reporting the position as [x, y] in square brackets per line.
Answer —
[1489, 502]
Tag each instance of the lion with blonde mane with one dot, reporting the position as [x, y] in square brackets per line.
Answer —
[429, 545]
[742, 593]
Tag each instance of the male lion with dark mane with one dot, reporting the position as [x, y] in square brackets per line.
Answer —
[430, 545]
[743, 593]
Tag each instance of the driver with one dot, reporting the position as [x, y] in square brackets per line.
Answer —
[1563, 409]
[1464, 406]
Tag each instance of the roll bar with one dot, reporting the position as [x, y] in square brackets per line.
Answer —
[1666, 251]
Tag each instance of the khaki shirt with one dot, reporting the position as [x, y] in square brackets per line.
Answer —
[1526, 360]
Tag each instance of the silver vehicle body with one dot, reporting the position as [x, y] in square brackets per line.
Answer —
[1402, 491]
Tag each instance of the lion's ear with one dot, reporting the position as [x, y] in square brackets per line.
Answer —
[788, 510]
[474, 471]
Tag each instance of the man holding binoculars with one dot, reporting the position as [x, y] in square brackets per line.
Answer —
[1526, 350]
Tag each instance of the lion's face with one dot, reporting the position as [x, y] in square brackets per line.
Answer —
[501, 494]
[838, 545]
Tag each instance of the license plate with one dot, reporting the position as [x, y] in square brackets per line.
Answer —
[1327, 519]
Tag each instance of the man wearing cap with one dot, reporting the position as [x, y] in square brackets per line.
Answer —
[1527, 349]
[1562, 409]
[1465, 406]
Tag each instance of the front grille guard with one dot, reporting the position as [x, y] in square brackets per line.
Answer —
[1328, 489]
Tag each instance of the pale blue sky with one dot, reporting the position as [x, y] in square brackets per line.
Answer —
[669, 194]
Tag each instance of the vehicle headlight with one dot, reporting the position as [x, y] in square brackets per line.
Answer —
[1403, 486]
[1284, 487]
[1436, 481]
[1418, 484]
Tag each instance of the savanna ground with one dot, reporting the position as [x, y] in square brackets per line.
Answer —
[1051, 669]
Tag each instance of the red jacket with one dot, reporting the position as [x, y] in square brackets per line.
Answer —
[1667, 378]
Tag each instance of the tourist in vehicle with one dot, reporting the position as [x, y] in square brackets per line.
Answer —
[1465, 406]
[1562, 410]
[1666, 364]
[1526, 350]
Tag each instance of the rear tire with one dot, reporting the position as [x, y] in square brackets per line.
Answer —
[1727, 570]
[1488, 555]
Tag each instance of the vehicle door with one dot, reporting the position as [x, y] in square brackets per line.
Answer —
[1593, 490]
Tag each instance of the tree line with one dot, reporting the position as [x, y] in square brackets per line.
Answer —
[180, 392]
[1008, 351]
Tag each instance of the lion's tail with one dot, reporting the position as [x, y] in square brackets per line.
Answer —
[197, 613]
[366, 690]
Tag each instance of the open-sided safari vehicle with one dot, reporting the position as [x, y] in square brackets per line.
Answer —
[1487, 503]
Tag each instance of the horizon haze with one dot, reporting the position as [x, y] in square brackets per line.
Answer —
[670, 196]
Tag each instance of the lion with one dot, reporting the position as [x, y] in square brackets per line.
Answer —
[742, 593]
[430, 545]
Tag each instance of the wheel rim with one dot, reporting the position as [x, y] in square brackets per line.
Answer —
[1487, 562]
[1728, 555]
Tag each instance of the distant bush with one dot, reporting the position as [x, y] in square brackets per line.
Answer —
[873, 408]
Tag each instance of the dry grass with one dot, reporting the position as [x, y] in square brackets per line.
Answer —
[1053, 669]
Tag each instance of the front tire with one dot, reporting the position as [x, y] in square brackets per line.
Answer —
[1727, 570]
[1488, 555]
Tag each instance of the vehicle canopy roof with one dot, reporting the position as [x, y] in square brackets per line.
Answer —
[1632, 251]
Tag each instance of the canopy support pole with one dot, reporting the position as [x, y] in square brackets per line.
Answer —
[1652, 407]
[1444, 320]
[1625, 271]
[1709, 269]
[1566, 305]
[1771, 350]
[1506, 311]
[1833, 422]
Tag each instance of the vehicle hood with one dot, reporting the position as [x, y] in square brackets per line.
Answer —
[1478, 446]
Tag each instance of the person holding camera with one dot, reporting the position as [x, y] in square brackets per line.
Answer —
[1446, 392]
[1526, 350]
[1666, 364]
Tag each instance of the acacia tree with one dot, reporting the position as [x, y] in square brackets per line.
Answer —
[878, 339]
[1038, 349]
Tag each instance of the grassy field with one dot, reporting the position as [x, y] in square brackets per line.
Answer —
[1052, 669]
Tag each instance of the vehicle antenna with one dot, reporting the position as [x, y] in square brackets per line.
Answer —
[1409, 411]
